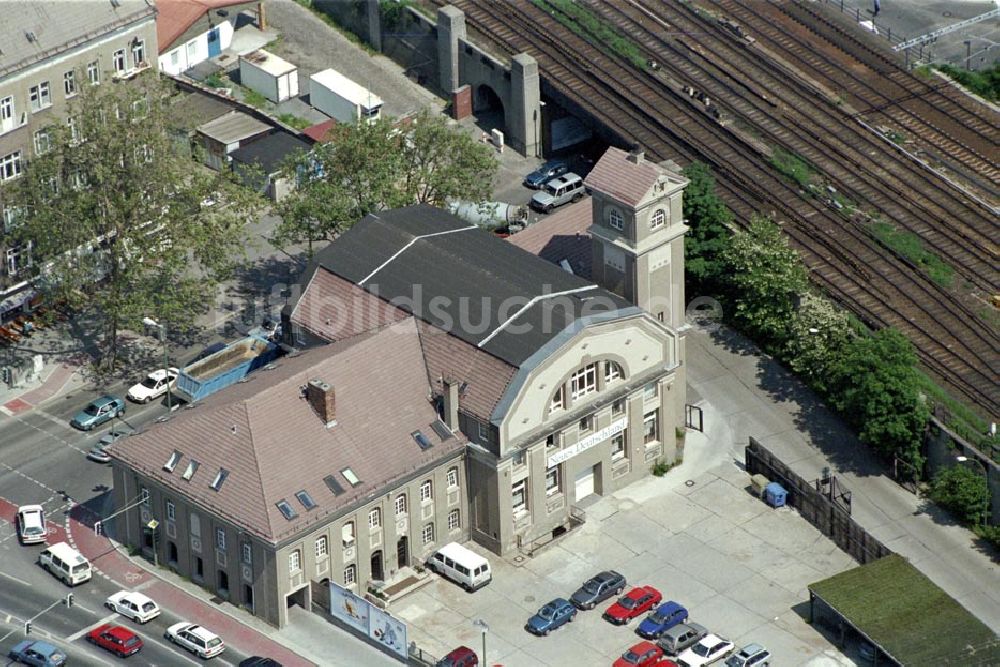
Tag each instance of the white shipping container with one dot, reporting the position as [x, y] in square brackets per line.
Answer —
[343, 100]
[271, 76]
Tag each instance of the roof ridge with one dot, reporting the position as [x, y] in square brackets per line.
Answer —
[408, 246]
[531, 303]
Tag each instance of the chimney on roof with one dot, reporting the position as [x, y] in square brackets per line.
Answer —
[323, 400]
[451, 404]
[636, 155]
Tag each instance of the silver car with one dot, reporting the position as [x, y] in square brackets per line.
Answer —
[560, 190]
[680, 637]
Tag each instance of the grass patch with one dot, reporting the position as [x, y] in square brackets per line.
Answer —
[908, 245]
[793, 166]
[214, 80]
[254, 99]
[327, 19]
[274, 43]
[292, 120]
[923, 71]
[985, 83]
[961, 419]
[585, 23]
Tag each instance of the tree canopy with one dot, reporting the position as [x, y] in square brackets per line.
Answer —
[118, 221]
[365, 168]
[709, 219]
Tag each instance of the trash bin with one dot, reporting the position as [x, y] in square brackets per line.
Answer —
[775, 495]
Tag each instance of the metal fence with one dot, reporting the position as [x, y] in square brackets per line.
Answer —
[824, 503]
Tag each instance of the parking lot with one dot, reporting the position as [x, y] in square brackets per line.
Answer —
[740, 567]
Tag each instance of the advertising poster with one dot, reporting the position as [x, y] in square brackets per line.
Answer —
[349, 608]
[388, 631]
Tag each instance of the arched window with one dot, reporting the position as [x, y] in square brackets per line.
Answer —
[659, 217]
[616, 220]
[612, 372]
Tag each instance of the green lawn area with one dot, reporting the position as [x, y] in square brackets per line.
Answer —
[906, 614]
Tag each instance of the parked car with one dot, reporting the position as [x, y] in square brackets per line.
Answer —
[99, 411]
[709, 649]
[37, 654]
[463, 656]
[643, 654]
[598, 589]
[99, 452]
[196, 639]
[136, 606]
[550, 617]
[560, 190]
[258, 661]
[679, 637]
[751, 655]
[31, 527]
[155, 385]
[120, 641]
[218, 346]
[636, 602]
[546, 173]
[666, 616]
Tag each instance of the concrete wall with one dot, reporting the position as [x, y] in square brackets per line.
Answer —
[943, 447]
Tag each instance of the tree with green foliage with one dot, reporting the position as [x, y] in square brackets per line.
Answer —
[709, 219]
[874, 383]
[763, 277]
[963, 492]
[365, 168]
[114, 217]
[818, 333]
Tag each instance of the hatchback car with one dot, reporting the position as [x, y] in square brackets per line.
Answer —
[120, 641]
[553, 615]
[643, 654]
[99, 411]
[31, 526]
[136, 606]
[463, 656]
[196, 639]
[155, 385]
[598, 589]
[99, 452]
[37, 654]
[546, 173]
[666, 616]
[636, 602]
[751, 655]
[708, 649]
[679, 637]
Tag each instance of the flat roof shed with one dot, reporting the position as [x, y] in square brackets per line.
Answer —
[233, 128]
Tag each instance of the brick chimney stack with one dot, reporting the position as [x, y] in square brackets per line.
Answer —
[636, 155]
[323, 400]
[451, 404]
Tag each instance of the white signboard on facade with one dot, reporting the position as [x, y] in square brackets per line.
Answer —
[388, 631]
[592, 440]
[349, 608]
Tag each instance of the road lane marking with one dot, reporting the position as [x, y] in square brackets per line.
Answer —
[12, 578]
[76, 635]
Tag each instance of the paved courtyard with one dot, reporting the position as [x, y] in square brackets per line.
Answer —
[698, 535]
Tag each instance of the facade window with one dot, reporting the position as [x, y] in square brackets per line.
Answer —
[43, 142]
[401, 504]
[171, 511]
[175, 57]
[586, 424]
[294, 561]
[519, 497]
[550, 440]
[10, 166]
[583, 381]
[40, 96]
[195, 525]
[220, 539]
[659, 217]
[649, 391]
[350, 575]
[426, 491]
[13, 260]
[484, 433]
[612, 371]
[618, 407]
[650, 428]
[75, 136]
[552, 481]
[454, 520]
[558, 400]
[138, 52]
[322, 547]
[247, 553]
[616, 220]
[452, 478]
[118, 61]
[375, 519]
[519, 458]
[144, 494]
[618, 447]
[347, 534]
[427, 533]
[69, 83]
[192, 50]
[11, 216]
[94, 73]
[6, 114]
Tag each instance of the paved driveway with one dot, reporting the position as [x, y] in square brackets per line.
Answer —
[740, 567]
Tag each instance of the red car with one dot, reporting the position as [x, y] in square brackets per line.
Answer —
[643, 654]
[120, 641]
[634, 603]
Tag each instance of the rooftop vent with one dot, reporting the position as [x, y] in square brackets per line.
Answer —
[422, 440]
[333, 485]
[172, 462]
[220, 477]
[286, 510]
[306, 500]
[323, 400]
[30, 36]
[192, 468]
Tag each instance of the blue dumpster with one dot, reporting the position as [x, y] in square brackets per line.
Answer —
[775, 495]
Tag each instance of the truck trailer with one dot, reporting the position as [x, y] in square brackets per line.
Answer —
[343, 100]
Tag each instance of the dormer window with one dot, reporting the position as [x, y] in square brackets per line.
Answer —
[659, 217]
[616, 220]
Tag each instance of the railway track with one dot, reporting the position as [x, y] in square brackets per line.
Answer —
[847, 262]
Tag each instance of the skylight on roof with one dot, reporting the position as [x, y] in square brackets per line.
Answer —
[351, 478]
[172, 462]
[422, 440]
[333, 485]
[192, 468]
[306, 500]
[286, 510]
[220, 477]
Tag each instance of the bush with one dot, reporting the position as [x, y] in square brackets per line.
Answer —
[661, 468]
[989, 533]
[963, 492]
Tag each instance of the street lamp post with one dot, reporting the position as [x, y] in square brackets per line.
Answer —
[484, 628]
[150, 322]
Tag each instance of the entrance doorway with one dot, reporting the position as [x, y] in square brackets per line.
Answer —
[377, 572]
[402, 552]
[248, 597]
[585, 483]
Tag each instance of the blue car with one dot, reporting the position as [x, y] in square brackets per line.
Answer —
[99, 411]
[551, 616]
[546, 173]
[664, 617]
[37, 654]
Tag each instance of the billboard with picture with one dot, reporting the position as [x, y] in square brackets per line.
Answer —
[388, 631]
[349, 608]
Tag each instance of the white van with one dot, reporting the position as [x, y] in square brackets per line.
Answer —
[466, 568]
[66, 563]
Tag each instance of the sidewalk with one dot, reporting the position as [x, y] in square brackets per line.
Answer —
[57, 377]
[753, 395]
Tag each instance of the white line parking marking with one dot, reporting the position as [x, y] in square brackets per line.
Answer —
[76, 635]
